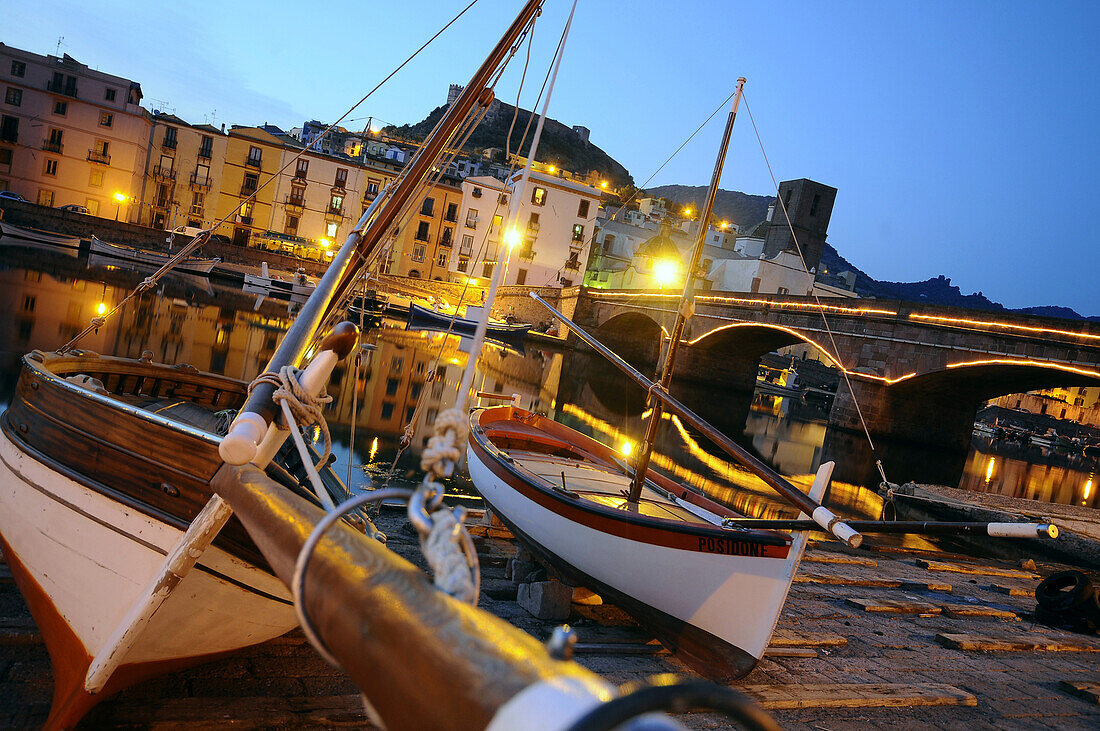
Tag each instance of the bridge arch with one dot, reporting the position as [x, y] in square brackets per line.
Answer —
[753, 339]
[986, 378]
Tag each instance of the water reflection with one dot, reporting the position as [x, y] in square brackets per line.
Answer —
[46, 297]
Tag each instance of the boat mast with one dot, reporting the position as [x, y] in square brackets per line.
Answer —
[259, 411]
[687, 305]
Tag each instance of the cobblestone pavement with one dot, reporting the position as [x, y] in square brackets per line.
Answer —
[835, 645]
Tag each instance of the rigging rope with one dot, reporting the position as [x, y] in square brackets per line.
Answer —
[835, 354]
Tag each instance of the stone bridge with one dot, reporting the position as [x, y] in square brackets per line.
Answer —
[919, 372]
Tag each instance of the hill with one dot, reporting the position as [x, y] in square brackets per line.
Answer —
[743, 209]
[559, 145]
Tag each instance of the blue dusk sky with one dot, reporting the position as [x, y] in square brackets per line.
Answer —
[961, 135]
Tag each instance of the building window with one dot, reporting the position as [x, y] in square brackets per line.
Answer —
[330, 230]
[391, 386]
[813, 204]
[93, 207]
[109, 95]
[578, 233]
[341, 178]
[497, 220]
[95, 178]
[51, 167]
[28, 303]
[418, 252]
[452, 213]
[521, 276]
[441, 259]
[336, 204]
[387, 410]
[245, 214]
[5, 157]
[476, 192]
[372, 186]
[538, 196]
[487, 269]
[45, 198]
[255, 157]
[467, 244]
[582, 211]
[18, 68]
[463, 263]
[302, 169]
[782, 290]
[206, 147]
[14, 96]
[422, 233]
[53, 142]
[471, 215]
[9, 129]
[169, 141]
[60, 108]
[102, 147]
[251, 182]
[106, 119]
[198, 202]
[291, 226]
[427, 207]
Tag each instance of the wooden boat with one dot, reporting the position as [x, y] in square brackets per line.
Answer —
[39, 236]
[712, 595]
[153, 258]
[423, 318]
[198, 281]
[295, 286]
[104, 462]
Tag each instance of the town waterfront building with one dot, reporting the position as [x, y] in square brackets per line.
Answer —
[70, 134]
[182, 174]
[555, 222]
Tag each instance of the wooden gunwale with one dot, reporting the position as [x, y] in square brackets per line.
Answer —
[149, 462]
[646, 529]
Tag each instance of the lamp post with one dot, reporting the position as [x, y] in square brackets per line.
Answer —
[120, 198]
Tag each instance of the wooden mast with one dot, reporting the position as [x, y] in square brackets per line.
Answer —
[686, 304]
[250, 426]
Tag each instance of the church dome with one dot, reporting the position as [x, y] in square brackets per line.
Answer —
[660, 246]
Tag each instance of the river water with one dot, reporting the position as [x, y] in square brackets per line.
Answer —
[47, 295]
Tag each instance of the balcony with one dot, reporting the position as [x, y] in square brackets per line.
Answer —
[527, 252]
[295, 203]
[162, 171]
[332, 212]
[66, 89]
[339, 189]
[245, 220]
[50, 146]
[168, 143]
[200, 181]
[205, 153]
[253, 162]
[100, 157]
[471, 222]
[247, 190]
[532, 228]
[573, 263]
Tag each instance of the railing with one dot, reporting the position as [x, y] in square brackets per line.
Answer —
[253, 162]
[527, 252]
[295, 201]
[203, 182]
[196, 210]
[338, 189]
[161, 171]
[50, 146]
[246, 220]
[206, 153]
[169, 143]
[334, 212]
[471, 222]
[533, 227]
[100, 157]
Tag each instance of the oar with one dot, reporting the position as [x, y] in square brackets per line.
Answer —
[821, 515]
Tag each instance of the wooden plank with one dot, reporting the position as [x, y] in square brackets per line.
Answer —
[857, 695]
[790, 652]
[974, 570]
[1023, 643]
[1090, 691]
[838, 558]
[978, 610]
[894, 606]
[1012, 590]
[834, 580]
[792, 638]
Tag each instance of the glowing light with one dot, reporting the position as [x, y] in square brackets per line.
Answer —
[603, 184]
[552, 169]
[1006, 325]
[375, 130]
[1088, 489]
[374, 448]
[1037, 363]
[101, 308]
[687, 210]
[325, 243]
[512, 237]
[725, 224]
[666, 271]
[777, 304]
[120, 197]
[627, 448]
[454, 361]
[989, 469]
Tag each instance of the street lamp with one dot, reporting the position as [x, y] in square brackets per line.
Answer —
[120, 198]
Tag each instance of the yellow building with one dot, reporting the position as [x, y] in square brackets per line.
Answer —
[252, 158]
[184, 166]
[424, 244]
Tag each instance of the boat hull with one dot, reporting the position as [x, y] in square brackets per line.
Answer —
[423, 318]
[712, 599]
[15, 233]
[195, 266]
[81, 559]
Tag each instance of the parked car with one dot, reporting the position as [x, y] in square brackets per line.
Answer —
[73, 208]
[11, 195]
[191, 231]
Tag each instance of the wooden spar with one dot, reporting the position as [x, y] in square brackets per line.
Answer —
[259, 411]
[683, 312]
[372, 609]
[821, 515]
[995, 530]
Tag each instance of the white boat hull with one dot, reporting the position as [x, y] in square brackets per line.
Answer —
[736, 599]
[152, 258]
[89, 557]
